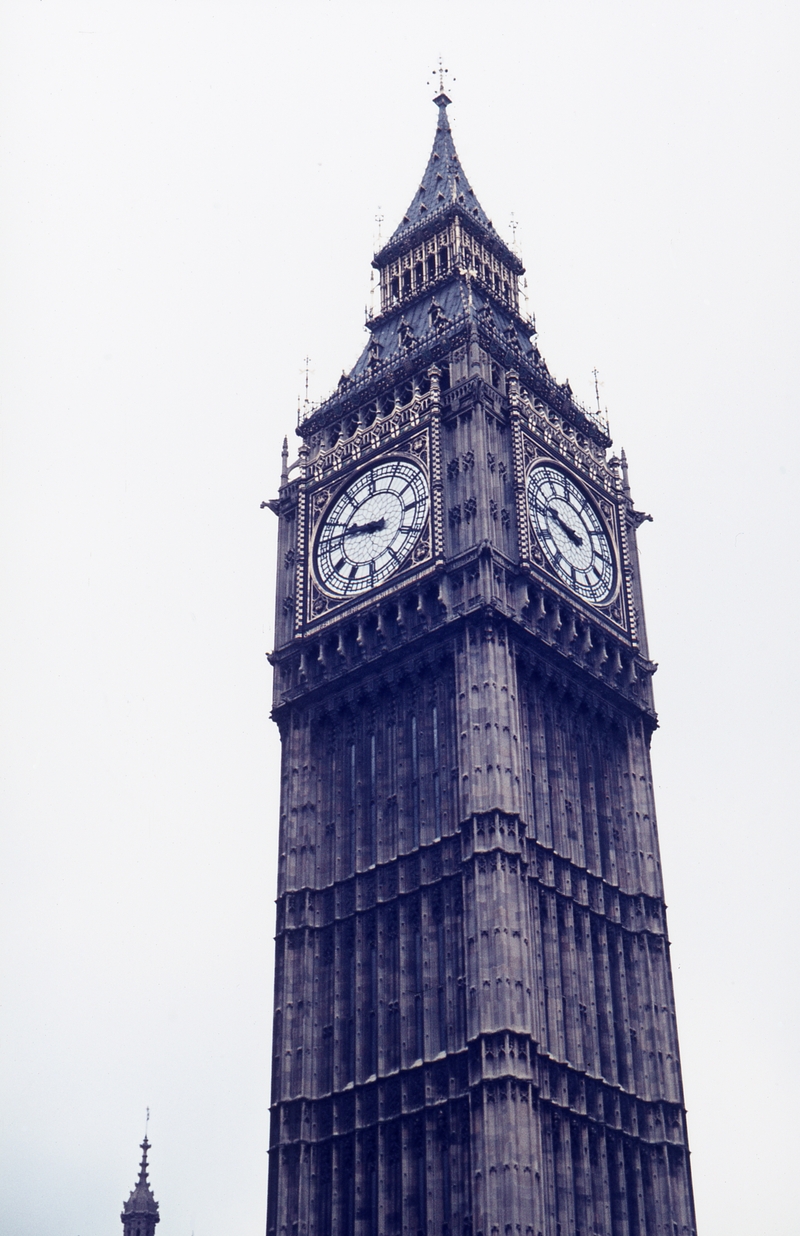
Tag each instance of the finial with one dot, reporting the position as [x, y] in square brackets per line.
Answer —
[514, 225]
[623, 460]
[306, 406]
[285, 461]
[597, 391]
[146, 1122]
[439, 74]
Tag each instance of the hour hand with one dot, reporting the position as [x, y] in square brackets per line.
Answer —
[375, 525]
[574, 536]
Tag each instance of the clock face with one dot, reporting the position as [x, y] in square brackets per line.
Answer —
[372, 527]
[571, 533]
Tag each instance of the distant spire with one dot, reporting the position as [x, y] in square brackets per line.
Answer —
[144, 1147]
[140, 1212]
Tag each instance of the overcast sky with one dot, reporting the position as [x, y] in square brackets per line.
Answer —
[190, 203]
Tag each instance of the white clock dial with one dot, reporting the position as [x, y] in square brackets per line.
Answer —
[571, 533]
[372, 527]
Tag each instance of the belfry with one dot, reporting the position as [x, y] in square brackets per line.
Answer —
[474, 1028]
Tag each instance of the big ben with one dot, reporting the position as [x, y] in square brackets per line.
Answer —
[474, 1028]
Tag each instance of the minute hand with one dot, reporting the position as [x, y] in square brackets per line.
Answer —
[574, 536]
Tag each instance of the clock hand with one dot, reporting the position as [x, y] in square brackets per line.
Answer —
[571, 533]
[375, 525]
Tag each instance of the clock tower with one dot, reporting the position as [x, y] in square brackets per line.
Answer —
[474, 1025]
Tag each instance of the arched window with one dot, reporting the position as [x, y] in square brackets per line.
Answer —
[418, 994]
[277, 1032]
[371, 1010]
[350, 851]
[372, 815]
[415, 787]
[348, 1006]
[421, 1182]
[441, 961]
[437, 796]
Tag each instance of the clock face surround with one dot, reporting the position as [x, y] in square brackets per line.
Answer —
[369, 531]
[571, 533]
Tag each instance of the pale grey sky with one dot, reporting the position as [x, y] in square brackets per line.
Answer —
[189, 210]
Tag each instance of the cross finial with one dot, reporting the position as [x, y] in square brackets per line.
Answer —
[596, 388]
[439, 75]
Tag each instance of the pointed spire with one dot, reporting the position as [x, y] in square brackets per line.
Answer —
[141, 1201]
[444, 182]
[285, 461]
[144, 1147]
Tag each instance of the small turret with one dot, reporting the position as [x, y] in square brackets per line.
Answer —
[140, 1212]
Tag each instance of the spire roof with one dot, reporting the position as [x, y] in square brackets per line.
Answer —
[141, 1200]
[444, 185]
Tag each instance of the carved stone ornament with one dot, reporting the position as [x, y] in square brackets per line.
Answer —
[422, 550]
[319, 602]
[318, 504]
[613, 611]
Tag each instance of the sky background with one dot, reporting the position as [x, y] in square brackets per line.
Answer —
[190, 205]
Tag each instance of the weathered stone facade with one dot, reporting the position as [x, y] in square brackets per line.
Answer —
[474, 1021]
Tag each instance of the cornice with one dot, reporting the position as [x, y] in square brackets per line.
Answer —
[427, 349]
[583, 653]
[486, 835]
[434, 346]
[433, 223]
[484, 1071]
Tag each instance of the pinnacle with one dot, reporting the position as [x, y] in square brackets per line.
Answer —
[141, 1200]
